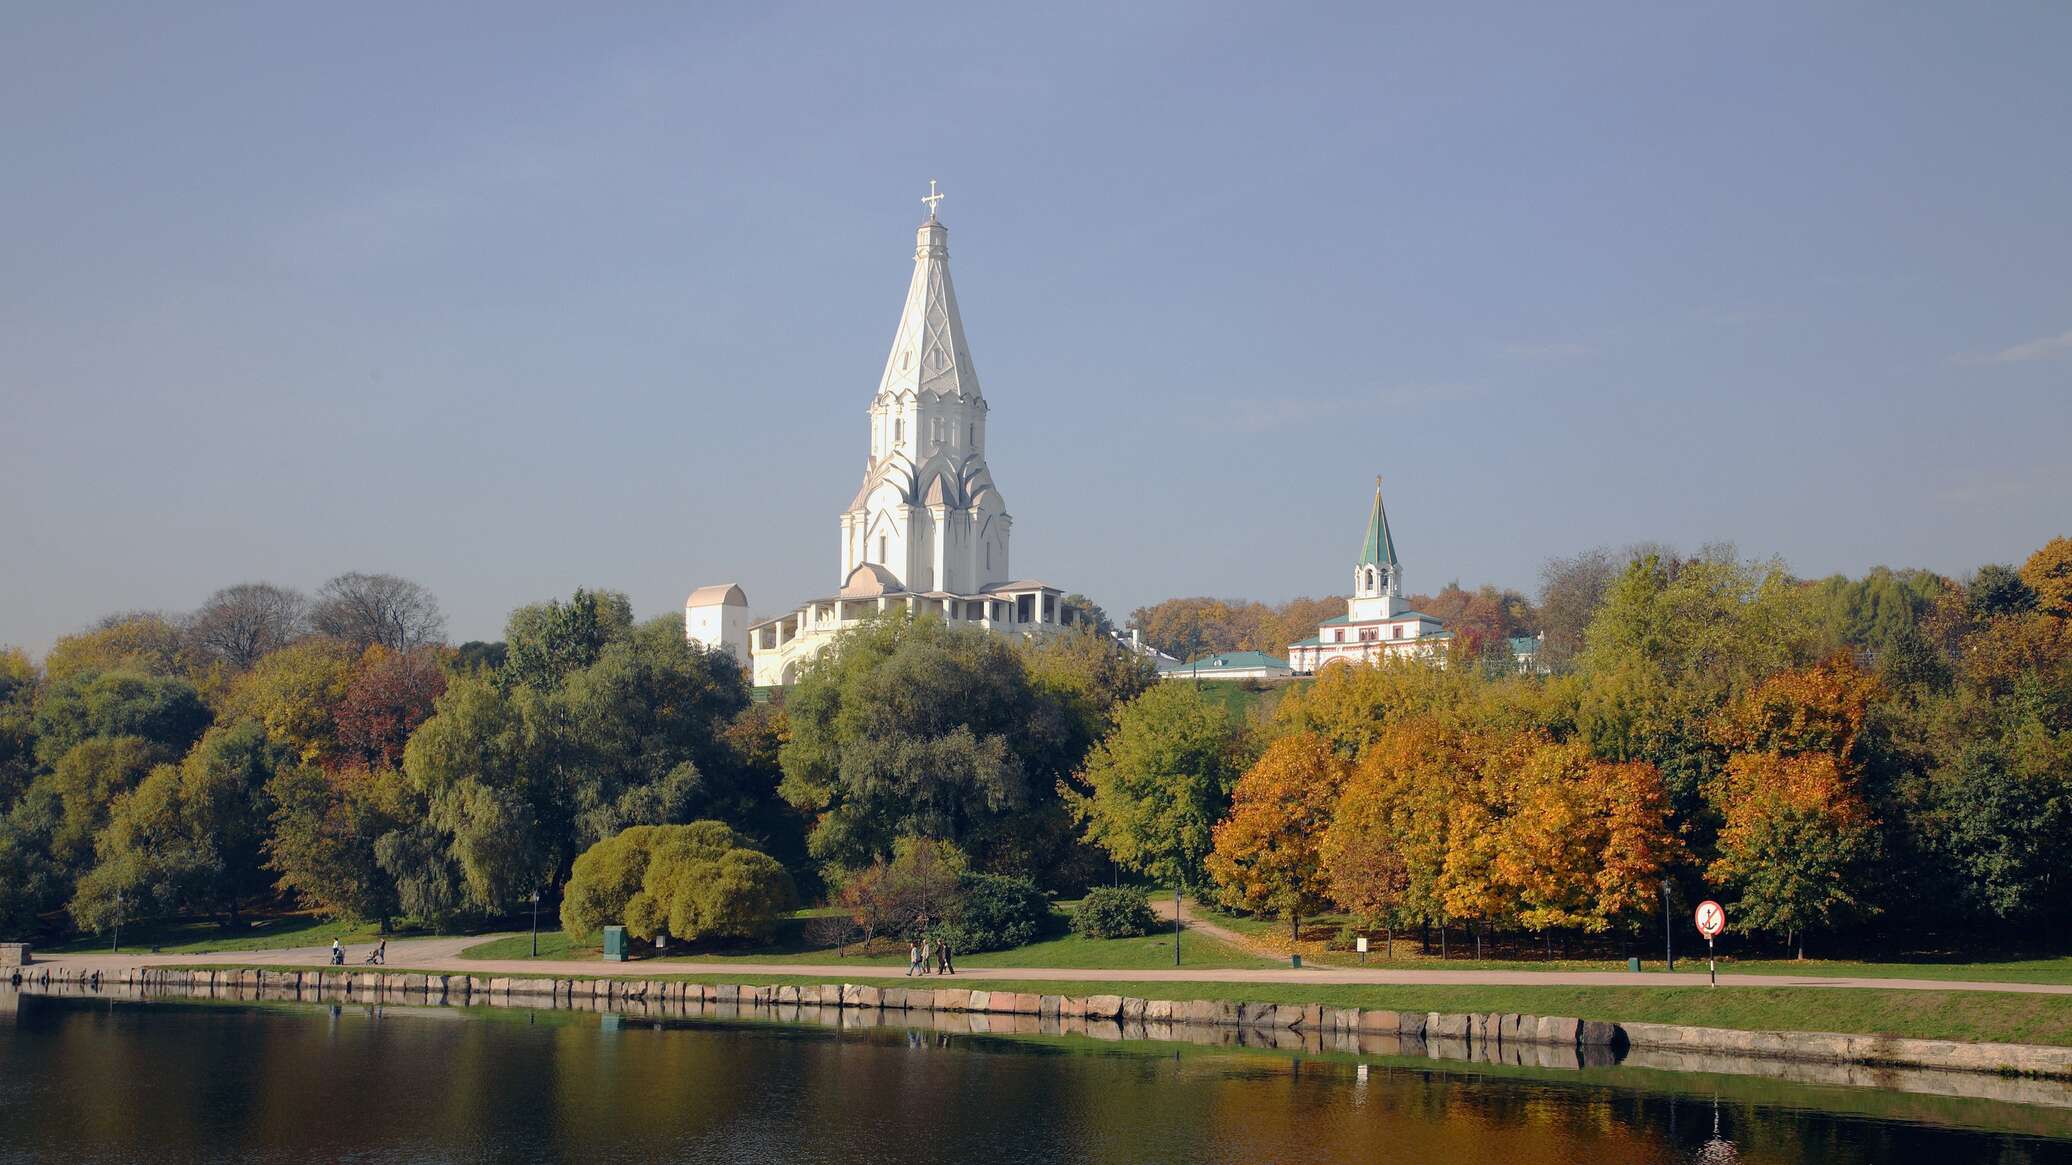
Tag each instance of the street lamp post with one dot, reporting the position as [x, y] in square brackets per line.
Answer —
[115, 942]
[1668, 931]
[535, 922]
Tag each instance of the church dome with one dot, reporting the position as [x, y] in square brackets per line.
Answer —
[869, 580]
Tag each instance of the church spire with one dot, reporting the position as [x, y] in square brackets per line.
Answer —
[1379, 549]
[929, 352]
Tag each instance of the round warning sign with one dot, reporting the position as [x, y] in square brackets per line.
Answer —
[1711, 918]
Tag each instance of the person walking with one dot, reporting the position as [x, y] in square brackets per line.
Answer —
[913, 959]
[942, 958]
[381, 952]
[337, 954]
[927, 953]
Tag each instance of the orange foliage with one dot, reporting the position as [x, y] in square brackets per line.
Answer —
[1267, 851]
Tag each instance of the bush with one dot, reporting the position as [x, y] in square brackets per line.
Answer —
[1113, 912]
[995, 912]
[694, 881]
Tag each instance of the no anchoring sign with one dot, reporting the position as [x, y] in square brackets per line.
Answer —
[1712, 919]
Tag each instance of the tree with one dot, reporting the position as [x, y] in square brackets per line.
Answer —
[638, 736]
[325, 826]
[369, 609]
[1578, 842]
[239, 624]
[910, 727]
[167, 714]
[1154, 788]
[1997, 590]
[296, 693]
[1798, 835]
[140, 642]
[698, 880]
[915, 889]
[1571, 590]
[1090, 616]
[18, 685]
[544, 642]
[1352, 706]
[188, 838]
[388, 696]
[489, 811]
[1267, 854]
[2049, 574]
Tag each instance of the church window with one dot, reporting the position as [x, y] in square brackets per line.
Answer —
[1399, 631]
[898, 429]
[989, 556]
[1338, 636]
[1366, 633]
[971, 434]
[881, 549]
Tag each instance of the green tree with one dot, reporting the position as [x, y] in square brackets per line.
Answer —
[165, 713]
[1997, 590]
[908, 726]
[322, 842]
[544, 642]
[694, 881]
[189, 838]
[1154, 788]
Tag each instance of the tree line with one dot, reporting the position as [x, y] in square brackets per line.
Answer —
[1823, 755]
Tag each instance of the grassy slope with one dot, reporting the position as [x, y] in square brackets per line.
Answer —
[790, 946]
[195, 938]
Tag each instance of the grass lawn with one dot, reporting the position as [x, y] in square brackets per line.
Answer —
[1690, 957]
[195, 938]
[791, 946]
[1979, 1016]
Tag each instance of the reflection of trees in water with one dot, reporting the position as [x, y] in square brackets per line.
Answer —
[175, 1083]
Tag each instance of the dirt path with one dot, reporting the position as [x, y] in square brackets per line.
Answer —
[1194, 922]
[441, 955]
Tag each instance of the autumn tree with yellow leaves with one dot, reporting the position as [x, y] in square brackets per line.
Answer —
[1267, 856]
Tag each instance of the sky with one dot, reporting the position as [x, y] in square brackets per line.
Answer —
[514, 298]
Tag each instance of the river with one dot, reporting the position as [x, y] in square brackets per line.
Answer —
[101, 1080]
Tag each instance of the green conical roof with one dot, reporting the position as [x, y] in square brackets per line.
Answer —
[1379, 549]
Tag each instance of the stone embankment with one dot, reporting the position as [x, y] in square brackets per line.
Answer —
[1548, 1041]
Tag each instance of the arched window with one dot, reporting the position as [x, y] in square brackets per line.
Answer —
[989, 556]
[898, 429]
[881, 549]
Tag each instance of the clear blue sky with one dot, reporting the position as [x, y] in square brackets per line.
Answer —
[513, 298]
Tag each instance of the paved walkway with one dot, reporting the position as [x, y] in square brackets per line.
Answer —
[442, 955]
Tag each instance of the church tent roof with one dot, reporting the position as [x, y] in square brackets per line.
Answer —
[1380, 547]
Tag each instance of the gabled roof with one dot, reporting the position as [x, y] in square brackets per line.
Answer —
[1380, 548]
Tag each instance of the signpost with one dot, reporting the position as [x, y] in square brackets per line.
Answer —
[1360, 945]
[1712, 919]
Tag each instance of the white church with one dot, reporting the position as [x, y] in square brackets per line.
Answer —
[927, 532]
[1377, 623]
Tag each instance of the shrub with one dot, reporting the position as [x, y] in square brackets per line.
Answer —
[995, 912]
[694, 881]
[1113, 912]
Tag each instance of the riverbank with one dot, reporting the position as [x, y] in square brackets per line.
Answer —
[1494, 1035]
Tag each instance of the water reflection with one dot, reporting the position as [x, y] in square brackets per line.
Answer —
[119, 1081]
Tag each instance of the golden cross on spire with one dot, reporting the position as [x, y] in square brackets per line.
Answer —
[933, 198]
